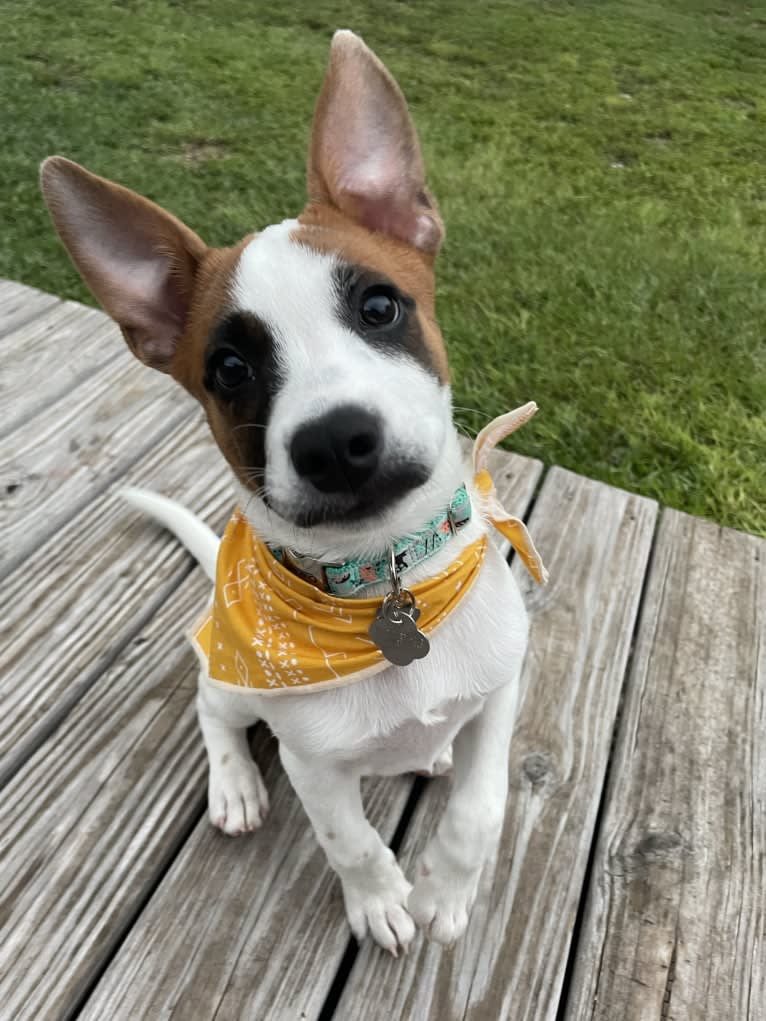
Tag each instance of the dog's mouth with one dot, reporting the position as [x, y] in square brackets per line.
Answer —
[386, 488]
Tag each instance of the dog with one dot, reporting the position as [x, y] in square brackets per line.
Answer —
[314, 350]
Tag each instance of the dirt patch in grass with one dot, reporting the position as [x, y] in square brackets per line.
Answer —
[201, 150]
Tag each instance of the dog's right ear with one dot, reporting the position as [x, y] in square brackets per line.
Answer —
[138, 260]
[364, 156]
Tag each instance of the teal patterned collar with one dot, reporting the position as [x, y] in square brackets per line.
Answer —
[348, 578]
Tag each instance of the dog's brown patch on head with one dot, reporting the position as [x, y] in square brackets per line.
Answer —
[325, 229]
[211, 300]
[213, 312]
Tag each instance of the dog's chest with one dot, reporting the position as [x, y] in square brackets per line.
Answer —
[415, 745]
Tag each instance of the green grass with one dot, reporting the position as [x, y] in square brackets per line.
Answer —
[600, 167]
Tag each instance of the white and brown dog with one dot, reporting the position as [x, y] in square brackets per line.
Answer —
[314, 349]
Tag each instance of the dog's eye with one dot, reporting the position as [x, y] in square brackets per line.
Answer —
[378, 308]
[230, 371]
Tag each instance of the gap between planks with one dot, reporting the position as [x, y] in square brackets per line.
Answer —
[610, 763]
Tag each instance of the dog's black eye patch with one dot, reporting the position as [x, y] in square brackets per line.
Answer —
[380, 313]
[242, 376]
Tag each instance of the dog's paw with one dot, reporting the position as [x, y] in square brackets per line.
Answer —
[441, 901]
[377, 903]
[237, 798]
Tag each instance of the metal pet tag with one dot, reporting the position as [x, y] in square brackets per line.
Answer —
[395, 631]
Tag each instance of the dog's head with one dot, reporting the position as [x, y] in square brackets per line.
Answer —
[312, 345]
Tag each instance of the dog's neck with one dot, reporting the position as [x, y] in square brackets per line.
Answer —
[351, 576]
[329, 543]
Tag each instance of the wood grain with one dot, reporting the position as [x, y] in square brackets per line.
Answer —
[675, 926]
[77, 599]
[263, 939]
[511, 962]
[56, 463]
[93, 817]
[20, 304]
[43, 359]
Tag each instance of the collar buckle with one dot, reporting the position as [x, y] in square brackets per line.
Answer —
[451, 521]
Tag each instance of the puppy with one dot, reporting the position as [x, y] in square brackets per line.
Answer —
[314, 350]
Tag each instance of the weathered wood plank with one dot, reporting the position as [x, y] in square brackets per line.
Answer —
[79, 597]
[675, 925]
[55, 464]
[20, 304]
[93, 817]
[270, 932]
[511, 962]
[43, 359]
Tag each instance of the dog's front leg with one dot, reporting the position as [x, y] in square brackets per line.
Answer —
[449, 871]
[374, 888]
[237, 797]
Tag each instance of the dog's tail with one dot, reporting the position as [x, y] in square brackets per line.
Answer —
[197, 537]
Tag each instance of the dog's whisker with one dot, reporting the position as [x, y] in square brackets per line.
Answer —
[249, 425]
[473, 411]
[468, 433]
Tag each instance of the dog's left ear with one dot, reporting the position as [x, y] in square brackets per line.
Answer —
[364, 156]
[137, 259]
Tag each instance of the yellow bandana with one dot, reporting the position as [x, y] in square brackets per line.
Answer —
[270, 631]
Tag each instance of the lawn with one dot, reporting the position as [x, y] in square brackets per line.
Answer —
[601, 167]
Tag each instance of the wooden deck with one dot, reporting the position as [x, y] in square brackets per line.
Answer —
[630, 879]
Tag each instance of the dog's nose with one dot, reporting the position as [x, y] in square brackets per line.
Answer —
[339, 451]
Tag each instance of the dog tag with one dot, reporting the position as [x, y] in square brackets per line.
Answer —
[395, 631]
